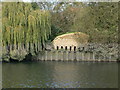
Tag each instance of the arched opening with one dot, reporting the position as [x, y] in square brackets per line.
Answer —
[61, 47]
[70, 48]
[74, 48]
[57, 47]
[65, 47]
[83, 48]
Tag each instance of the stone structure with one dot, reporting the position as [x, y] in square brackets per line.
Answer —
[70, 41]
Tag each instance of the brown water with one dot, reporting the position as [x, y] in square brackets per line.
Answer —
[60, 75]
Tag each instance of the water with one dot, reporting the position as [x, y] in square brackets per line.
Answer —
[50, 74]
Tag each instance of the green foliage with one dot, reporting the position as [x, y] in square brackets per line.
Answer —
[98, 20]
[55, 32]
[106, 21]
[24, 25]
[34, 5]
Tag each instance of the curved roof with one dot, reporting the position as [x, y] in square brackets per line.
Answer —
[75, 35]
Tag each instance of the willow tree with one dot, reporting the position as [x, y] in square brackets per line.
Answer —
[24, 28]
[0, 31]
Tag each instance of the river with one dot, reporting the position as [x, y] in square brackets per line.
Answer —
[50, 74]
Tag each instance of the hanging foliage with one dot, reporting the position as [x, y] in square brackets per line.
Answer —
[24, 28]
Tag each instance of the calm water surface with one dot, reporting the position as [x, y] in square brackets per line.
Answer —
[60, 74]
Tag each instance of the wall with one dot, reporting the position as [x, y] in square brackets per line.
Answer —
[90, 52]
[72, 56]
[70, 41]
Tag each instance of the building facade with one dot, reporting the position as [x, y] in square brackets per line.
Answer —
[70, 41]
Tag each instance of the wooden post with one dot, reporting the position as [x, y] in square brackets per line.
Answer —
[83, 56]
[88, 56]
[72, 56]
[67, 53]
[94, 56]
[51, 57]
[56, 55]
[77, 56]
[46, 55]
[61, 56]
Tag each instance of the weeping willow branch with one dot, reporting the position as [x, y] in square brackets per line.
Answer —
[24, 28]
[0, 32]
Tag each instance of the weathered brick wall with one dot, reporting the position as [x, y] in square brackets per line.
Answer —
[73, 40]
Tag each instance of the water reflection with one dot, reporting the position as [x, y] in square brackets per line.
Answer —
[60, 74]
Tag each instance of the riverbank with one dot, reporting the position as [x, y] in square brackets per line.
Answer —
[90, 52]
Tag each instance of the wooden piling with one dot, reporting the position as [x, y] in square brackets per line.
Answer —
[72, 56]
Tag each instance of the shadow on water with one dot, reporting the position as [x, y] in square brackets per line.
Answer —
[60, 74]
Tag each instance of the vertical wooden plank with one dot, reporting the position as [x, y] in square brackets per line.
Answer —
[46, 53]
[51, 55]
[77, 55]
[56, 55]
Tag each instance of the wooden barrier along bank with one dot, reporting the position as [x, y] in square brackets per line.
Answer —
[72, 56]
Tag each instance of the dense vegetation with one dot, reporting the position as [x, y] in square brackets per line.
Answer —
[98, 20]
[27, 26]
[24, 27]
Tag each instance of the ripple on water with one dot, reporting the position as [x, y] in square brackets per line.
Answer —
[60, 75]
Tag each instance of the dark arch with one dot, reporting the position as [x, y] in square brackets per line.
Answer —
[61, 47]
[83, 48]
[57, 47]
[74, 48]
[65, 47]
[70, 48]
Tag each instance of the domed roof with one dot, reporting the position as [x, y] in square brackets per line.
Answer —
[78, 36]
